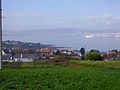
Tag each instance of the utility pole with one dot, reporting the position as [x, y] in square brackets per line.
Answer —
[0, 34]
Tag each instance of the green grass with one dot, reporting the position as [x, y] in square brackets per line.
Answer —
[99, 64]
[88, 76]
[36, 64]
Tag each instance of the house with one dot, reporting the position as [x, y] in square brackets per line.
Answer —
[109, 55]
[3, 53]
[46, 52]
[24, 57]
[64, 52]
[7, 55]
[70, 52]
[77, 53]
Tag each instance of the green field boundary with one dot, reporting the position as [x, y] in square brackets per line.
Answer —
[99, 64]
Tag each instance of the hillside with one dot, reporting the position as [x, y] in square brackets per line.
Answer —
[24, 45]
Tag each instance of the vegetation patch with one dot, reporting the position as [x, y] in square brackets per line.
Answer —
[88, 75]
[99, 64]
[93, 56]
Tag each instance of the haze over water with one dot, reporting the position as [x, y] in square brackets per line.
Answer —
[63, 38]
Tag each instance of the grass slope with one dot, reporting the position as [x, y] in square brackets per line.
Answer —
[84, 77]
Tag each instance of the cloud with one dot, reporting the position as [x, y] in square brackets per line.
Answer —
[31, 14]
[7, 33]
[103, 20]
[22, 20]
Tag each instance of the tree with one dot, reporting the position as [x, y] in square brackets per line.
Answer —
[93, 56]
[58, 52]
[97, 51]
[115, 51]
[82, 51]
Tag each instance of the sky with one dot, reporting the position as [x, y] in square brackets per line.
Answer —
[52, 21]
[21, 15]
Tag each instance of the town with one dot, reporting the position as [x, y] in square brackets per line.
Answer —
[16, 51]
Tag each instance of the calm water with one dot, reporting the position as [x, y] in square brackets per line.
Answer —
[66, 38]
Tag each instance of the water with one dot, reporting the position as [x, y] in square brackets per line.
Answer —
[67, 38]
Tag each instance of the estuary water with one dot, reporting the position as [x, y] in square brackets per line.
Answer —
[100, 40]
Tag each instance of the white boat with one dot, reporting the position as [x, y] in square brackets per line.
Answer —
[117, 36]
[89, 36]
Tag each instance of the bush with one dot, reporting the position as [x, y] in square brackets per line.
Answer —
[93, 56]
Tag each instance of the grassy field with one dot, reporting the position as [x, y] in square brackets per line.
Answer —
[79, 75]
[99, 64]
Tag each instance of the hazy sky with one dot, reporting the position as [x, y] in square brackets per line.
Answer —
[61, 22]
[23, 15]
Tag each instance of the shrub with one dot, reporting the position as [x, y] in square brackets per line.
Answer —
[93, 56]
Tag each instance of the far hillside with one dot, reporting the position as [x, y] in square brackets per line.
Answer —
[24, 45]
